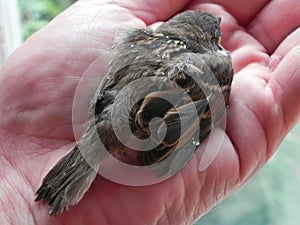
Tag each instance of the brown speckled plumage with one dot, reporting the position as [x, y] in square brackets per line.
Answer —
[183, 53]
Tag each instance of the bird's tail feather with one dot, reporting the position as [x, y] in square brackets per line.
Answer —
[67, 182]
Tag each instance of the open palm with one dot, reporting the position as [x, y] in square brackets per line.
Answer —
[37, 86]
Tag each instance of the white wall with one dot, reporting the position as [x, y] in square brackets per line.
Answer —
[10, 32]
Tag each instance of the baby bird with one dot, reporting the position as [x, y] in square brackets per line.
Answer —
[164, 91]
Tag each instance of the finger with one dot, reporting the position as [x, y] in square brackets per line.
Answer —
[246, 51]
[277, 20]
[284, 84]
[290, 41]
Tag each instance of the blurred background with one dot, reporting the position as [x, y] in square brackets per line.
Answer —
[272, 197]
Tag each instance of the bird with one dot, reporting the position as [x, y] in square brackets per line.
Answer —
[165, 89]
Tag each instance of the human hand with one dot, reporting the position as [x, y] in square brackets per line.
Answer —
[38, 83]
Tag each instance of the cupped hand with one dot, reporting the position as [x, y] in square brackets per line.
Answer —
[38, 83]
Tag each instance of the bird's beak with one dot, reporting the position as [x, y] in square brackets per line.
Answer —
[221, 48]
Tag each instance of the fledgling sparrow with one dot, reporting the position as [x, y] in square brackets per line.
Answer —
[186, 71]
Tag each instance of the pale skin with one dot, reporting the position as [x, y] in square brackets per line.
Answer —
[38, 82]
